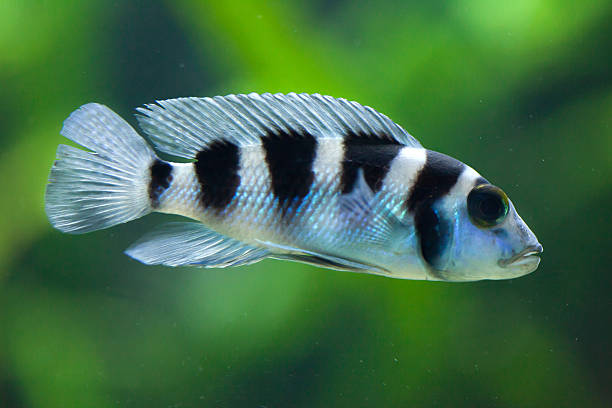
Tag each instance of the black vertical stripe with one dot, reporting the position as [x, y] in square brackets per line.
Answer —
[372, 153]
[434, 234]
[161, 177]
[481, 180]
[290, 156]
[437, 177]
[217, 170]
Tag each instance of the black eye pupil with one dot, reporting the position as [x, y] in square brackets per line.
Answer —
[487, 205]
[491, 207]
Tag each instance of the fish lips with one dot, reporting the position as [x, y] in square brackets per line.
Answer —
[528, 258]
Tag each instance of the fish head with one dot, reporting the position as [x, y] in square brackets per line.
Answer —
[488, 238]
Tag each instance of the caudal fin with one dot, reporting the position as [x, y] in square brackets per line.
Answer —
[91, 190]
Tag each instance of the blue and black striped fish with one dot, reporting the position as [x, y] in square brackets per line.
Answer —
[299, 177]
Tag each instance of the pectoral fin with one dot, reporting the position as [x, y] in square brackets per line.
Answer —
[361, 211]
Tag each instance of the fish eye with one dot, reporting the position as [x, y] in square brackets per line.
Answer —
[487, 205]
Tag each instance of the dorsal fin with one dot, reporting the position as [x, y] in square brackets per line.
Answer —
[182, 127]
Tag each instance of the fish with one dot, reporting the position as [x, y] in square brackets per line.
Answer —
[298, 177]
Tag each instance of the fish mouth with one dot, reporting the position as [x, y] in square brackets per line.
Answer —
[528, 255]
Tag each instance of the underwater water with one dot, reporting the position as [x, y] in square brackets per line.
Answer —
[521, 91]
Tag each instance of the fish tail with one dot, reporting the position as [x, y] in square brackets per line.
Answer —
[108, 185]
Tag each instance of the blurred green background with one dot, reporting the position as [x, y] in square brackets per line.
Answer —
[520, 90]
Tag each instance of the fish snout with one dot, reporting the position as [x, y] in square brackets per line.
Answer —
[529, 255]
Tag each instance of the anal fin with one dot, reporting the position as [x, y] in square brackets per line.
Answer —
[192, 243]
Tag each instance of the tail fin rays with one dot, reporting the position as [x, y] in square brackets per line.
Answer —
[93, 190]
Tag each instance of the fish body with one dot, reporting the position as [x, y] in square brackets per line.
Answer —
[299, 177]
